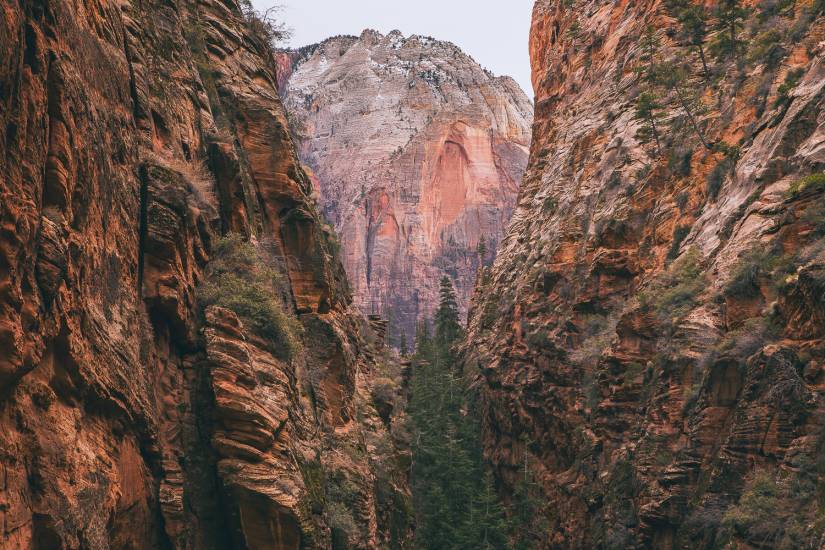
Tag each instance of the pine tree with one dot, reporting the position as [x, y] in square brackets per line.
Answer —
[456, 505]
[481, 249]
[447, 327]
[647, 106]
[423, 340]
[693, 27]
[402, 346]
[647, 110]
[528, 521]
[673, 76]
[730, 15]
[649, 44]
[491, 523]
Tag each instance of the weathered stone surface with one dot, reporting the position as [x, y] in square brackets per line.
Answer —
[417, 153]
[133, 134]
[644, 424]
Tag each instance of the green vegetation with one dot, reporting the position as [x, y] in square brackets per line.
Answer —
[755, 266]
[678, 161]
[679, 235]
[237, 279]
[673, 294]
[730, 17]
[767, 48]
[647, 111]
[526, 514]
[481, 250]
[682, 200]
[815, 216]
[455, 501]
[550, 205]
[775, 511]
[693, 27]
[815, 183]
[783, 94]
[264, 26]
[716, 177]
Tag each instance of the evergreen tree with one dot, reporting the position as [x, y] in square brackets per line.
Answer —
[481, 249]
[489, 516]
[647, 104]
[647, 110]
[730, 15]
[528, 521]
[649, 44]
[693, 27]
[423, 340]
[402, 346]
[455, 501]
[673, 77]
[447, 327]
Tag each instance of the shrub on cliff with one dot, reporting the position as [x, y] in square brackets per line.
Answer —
[674, 293]
[754, 266]
[679, 235]
[815, 215]
[773, 512]
[809, 184]
[238, 279]
[264, 25]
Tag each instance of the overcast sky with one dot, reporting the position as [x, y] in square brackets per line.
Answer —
[493, 32]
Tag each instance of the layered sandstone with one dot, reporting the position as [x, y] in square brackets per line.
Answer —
[135, 134]
[417, 153]
[647, 347]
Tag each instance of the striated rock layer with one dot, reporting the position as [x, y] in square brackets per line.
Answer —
[650, 341]
[133, 135]
[417, 153]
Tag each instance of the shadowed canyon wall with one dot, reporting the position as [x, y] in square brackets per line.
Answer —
[135, 134]
[649, 341]
[417, 153]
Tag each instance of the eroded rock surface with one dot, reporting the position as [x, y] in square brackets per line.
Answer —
[134, 134]
[417, 153]
[649, 341]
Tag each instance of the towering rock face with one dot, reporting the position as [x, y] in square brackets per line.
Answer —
[134, 134]
[417, 153]
[649, 342]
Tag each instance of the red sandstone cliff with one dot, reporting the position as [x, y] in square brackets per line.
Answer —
[417, 153]
[650, 341]
[134, 134]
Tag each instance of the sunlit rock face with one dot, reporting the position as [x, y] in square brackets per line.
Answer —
[417, 153]
[649, 341]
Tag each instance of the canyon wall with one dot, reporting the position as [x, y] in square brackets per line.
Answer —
[417, 153]
[135, 135]
[649, 344]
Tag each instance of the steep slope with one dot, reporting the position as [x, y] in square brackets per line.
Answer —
[135, 134]
[650, 341]
[417, 153]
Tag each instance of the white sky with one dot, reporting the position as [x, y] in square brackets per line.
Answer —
[493, 32]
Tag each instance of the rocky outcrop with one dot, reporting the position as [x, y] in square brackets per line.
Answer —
[134, 134]
[649, 342]
[417, 153]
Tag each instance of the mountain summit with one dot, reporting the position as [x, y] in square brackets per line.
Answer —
[417, 153]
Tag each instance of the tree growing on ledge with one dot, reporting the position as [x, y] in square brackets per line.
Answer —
[693, 27]
[730, 15]
[647, 111]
